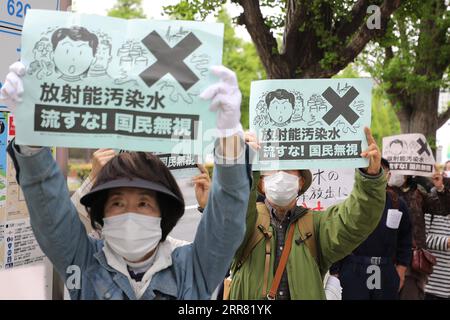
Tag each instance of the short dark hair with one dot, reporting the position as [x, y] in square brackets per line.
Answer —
[396, 141]
[384, 163]
[280, 94]
[76, 34]
[145, 166]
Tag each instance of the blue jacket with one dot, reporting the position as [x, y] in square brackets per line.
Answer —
[197, 268]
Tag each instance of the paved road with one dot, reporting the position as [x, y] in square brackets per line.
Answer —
[187, 226]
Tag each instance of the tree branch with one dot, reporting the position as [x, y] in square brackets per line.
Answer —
[442, 118]
[358, 13]
[296, 12]
[388, 55]
[357, 44]
[262, 37]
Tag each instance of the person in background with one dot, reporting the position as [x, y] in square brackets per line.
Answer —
[99, 158]
[384, 256]
[447, 169]
[438, 241]
[419, 202]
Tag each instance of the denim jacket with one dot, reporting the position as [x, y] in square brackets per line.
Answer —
[197, 268]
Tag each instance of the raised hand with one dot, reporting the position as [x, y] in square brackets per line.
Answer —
[12, 89]
[99, 159]
[372, 153]
[226, 99]
[202, 184]
[438, 178]
[251, 140]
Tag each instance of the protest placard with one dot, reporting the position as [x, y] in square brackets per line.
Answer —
[106, 82]
[329, 187]
[409, 154]
[314, 123]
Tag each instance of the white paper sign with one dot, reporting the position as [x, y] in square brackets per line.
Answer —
[409, 154]
[328, 188]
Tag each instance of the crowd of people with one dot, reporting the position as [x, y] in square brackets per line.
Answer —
[390, 239]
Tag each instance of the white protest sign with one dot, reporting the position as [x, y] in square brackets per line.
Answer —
[409, 154]
[329, 187]
[184, 168]
[310, 123]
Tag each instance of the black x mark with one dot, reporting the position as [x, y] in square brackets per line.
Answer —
[423, 147]
[340, 105]
[170, 60]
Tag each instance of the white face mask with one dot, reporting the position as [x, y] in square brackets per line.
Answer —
[396, 180]
[447, 173]
[281, 188]
[132, 235]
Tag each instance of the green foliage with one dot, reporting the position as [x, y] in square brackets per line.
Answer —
[384, 119]
[127, 9]
[80, 170]
[193, 9]
[419, 41]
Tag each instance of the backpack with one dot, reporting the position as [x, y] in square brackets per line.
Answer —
[305, 226]
[304, 223]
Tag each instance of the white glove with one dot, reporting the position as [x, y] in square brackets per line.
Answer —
[12, 90]
[333, 289]
[226, 100]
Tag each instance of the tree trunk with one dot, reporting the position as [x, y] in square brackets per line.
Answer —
[423, 117]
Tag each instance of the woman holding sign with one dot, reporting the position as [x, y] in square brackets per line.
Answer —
[136, 202]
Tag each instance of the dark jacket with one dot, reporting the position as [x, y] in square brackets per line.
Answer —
[387, 242]
[419, 203]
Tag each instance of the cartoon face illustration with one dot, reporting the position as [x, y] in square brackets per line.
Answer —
[42, 49]
[414, 146]
[73, 58]
[42, 65]
[280, 106]
[103, 56]
[397, 147]
[74, 50]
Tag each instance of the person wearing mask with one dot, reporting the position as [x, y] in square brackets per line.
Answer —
[447, 169]
[136, 202]
[419, 202]
[376, 269]
[287, 249]
[437, 228]
[201, 183]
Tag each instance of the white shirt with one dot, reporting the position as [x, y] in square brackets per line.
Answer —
[160, 260]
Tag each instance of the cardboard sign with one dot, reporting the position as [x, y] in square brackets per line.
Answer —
[314, 123]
